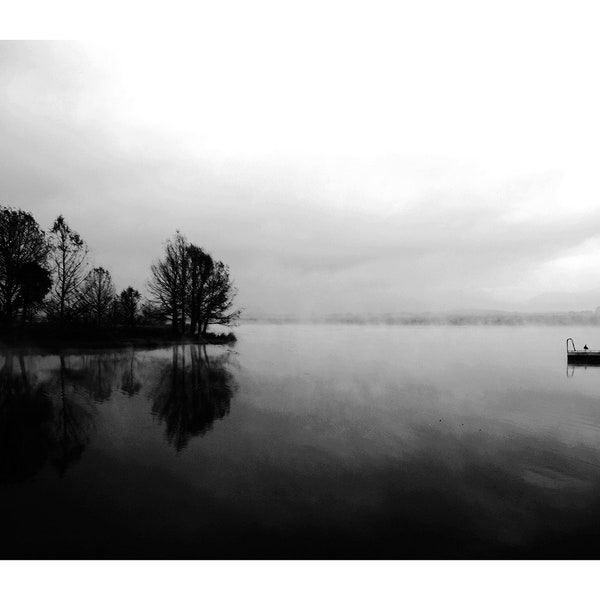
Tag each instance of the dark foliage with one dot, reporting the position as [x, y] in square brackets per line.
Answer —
[23, 258]
[129, 300]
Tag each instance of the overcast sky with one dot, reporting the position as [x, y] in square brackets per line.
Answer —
[339, 159]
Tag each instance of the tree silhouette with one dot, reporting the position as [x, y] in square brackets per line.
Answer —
[187, 286]
[97, 296]
[169, 281]
[217, 305]
[68, 258]
[188, 283]
[201, 266]
[151, 314]
[129, 304]
[22, 242]
[34, 282]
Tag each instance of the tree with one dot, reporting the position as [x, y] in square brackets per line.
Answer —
[68, 257]
[22, 242]
[201, 266]
[169, 283]
[34, 282]
[150, 314]
[129, 303]
[97, 296]
[218, 298]
[188, 283]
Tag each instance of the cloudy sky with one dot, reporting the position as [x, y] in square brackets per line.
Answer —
[339, 157]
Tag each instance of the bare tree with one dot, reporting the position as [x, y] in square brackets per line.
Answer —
[97, 297]
[201, 266]
[168, 285]
[151, 314]
[188, 283]
[22, 242]
[68, 258]
[220, 293]
[183, 257]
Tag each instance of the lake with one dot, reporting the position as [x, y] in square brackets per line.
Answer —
[306, 441]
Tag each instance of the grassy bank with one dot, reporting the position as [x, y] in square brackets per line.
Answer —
[49, 338]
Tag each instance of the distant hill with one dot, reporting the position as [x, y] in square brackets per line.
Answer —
[463, 317]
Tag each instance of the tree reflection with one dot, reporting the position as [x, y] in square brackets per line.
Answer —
[98, 375]
[40, 421]
[192, 392]
[25, 422]
[48, 405]
[130, 384]
[73, 420]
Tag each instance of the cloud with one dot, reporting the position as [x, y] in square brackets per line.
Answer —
[322, 195]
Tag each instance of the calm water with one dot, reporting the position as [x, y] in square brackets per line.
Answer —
[306, 441]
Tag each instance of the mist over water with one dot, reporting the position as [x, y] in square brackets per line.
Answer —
[306, 440]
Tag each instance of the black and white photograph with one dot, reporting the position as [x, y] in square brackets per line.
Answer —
[301, 282]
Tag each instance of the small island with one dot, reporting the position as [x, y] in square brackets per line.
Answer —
[52, 299]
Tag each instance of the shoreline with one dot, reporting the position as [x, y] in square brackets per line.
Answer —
[51, 341]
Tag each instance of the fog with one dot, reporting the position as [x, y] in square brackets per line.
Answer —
[430, 158]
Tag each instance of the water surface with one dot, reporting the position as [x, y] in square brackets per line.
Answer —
[306, 441]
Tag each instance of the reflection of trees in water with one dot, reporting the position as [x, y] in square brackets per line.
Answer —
[25, 422]
[72, 419]
[40, 421]
[192, 392]
[46, 417]
[130, 384]
[98, 375]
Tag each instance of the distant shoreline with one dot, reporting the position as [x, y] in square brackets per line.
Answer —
[487, 318]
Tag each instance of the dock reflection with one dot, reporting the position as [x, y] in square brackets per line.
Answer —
[572, 367]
